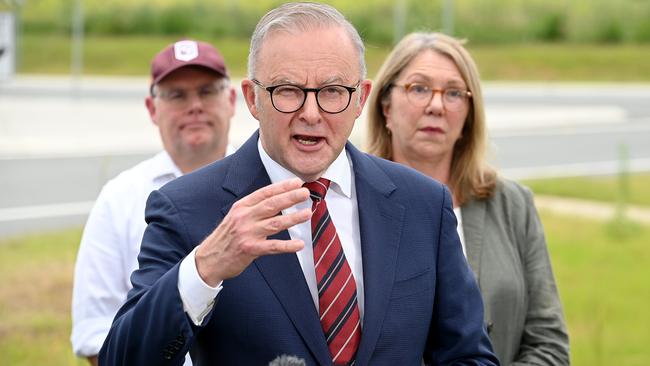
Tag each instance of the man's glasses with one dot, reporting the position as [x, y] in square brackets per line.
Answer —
[288, 98]
[420, 95]
[207, 94]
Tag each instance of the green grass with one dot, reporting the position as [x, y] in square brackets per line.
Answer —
[35, 295]
[604, 287]
[602, 278]
[50, 54]
[564, 62]
[600, 188]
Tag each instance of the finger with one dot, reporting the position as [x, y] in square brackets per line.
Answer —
[274, 246]
[271, 206]
[270, 191]
[277, 223]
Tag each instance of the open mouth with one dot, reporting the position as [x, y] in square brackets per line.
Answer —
[307, 140]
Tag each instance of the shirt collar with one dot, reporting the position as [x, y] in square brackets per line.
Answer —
[339, 172]
[164, 167]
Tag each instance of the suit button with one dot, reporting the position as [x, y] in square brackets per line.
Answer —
[167, 355]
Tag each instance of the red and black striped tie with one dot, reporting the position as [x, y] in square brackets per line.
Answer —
[337, 291]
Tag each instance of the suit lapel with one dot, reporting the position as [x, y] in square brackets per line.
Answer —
[473, 215]
[282, 273]
[284, 276]
[380, 225]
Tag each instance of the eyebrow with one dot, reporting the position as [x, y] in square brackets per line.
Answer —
[429, 79]
[333, 80]
[328, 81]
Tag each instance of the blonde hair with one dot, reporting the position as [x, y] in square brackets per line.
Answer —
[470, 176]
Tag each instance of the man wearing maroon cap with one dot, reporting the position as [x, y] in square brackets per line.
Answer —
[191, 101]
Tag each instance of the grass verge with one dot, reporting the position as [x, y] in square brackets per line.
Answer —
[635, 189]
[602, 279]
[35, 295]
[130, 55]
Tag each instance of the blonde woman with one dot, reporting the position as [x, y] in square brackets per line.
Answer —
[427, 112]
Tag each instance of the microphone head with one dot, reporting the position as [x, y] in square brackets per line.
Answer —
[285, 360]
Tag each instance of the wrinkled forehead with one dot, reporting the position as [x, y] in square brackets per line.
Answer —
[323, 51]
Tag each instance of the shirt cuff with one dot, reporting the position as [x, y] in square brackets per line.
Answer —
[197, 296]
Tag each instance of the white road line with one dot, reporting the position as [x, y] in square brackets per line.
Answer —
[45, 211]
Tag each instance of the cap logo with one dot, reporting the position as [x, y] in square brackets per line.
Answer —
[186, 50]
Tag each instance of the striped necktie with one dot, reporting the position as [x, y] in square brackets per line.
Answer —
[337, 291]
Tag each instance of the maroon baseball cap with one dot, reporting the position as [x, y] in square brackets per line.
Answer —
[186, 53]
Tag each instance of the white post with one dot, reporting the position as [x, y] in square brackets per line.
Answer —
[7, 45]
[77, 57]
[399, 21]
[448, 17]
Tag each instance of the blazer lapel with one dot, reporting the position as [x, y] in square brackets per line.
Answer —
[282, 272]
[284, 276]
[380, 226]
[473, 215]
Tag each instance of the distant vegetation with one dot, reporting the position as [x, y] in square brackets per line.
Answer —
[547, 40]
[495, 21]
[130, 55]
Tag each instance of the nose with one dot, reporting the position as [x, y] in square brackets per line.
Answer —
[436, 104]
[310, 111]
[194, 102]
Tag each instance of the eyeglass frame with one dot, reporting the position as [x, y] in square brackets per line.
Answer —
[219, 86]
[270, 89]
[466, 93]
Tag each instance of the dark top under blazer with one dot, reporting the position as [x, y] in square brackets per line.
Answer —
[421, 298]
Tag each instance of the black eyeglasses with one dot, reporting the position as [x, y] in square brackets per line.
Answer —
[288, 98]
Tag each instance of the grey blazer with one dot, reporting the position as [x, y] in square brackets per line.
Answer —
[507, 252]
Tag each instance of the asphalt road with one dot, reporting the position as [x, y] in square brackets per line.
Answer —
[60, 139]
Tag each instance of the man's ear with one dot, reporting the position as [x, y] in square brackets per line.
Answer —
[248, 90]
[364, 92]
[233, 97]
[151, 108]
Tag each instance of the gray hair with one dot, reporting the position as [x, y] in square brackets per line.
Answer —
[301, 17]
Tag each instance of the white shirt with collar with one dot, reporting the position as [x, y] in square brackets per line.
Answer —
[198, 297]
[109, 249]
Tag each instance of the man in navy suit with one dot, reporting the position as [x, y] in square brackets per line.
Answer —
[238, 265]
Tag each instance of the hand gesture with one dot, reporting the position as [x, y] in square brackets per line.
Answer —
[242, 235]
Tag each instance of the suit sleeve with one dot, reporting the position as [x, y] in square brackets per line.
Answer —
[457, 335]
[545, 340]
[152, 328]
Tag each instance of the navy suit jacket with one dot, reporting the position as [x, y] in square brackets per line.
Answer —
[421, 299]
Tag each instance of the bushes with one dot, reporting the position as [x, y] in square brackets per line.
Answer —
[481, 21]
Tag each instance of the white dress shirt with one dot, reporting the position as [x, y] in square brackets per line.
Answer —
[109, 249]
[198, 297]
[459, 229]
